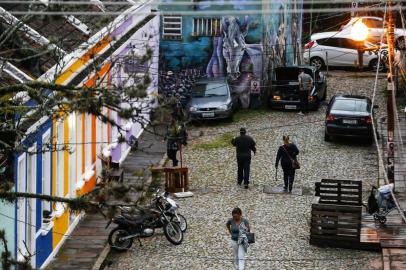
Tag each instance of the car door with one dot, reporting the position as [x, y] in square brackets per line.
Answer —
[330, 50]
[348, 52]
[318, 78]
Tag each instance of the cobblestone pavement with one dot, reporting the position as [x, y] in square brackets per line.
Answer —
[281, 222]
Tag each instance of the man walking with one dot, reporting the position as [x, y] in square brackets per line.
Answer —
[305, 86]
[244, 144]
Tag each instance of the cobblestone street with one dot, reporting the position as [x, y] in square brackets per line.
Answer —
[280, 221]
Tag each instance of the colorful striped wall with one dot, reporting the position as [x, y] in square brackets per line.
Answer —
[73, 173]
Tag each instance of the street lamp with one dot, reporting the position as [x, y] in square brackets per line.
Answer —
[359, 33]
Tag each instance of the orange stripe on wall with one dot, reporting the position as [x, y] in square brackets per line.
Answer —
[98, 47]
[83, 143]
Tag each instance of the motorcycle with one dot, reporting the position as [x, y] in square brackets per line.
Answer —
[132, 226]
[171, 207]
[162, 201]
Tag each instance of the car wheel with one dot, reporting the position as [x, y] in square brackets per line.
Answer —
[327, 137]
[373, 65]
[317, 62]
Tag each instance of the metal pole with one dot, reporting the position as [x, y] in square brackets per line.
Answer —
[360, 55]
[390, 94]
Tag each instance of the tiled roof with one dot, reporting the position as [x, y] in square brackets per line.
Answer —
[67, 33]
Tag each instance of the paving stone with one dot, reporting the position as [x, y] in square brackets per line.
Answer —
[280, 222]
[280, 190]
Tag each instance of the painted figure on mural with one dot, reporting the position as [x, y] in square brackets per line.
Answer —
[280, 46]
[234, 46]
[294, 31]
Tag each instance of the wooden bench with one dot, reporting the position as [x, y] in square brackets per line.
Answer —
[345, 192]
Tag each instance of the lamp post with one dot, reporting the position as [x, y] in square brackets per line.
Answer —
[359, 33]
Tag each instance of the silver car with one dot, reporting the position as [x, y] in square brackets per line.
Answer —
[212, 99]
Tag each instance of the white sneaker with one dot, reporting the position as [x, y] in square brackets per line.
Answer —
[300, 113]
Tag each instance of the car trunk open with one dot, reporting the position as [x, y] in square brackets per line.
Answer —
[286, 83]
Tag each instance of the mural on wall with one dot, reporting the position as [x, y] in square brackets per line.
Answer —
[244, 47]
[284, 31]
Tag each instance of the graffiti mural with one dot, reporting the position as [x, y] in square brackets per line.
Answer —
[239, 47]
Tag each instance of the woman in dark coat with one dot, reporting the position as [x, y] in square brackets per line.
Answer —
[286, 153]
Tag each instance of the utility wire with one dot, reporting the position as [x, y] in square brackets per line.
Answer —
[380, 155]
[185, 3]
[206, 12]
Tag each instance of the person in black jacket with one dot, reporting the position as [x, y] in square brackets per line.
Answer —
[286, 153]
[244, 144]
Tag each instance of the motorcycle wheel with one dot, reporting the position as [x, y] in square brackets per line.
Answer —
[173, 233]
[181, 222]
[116, 243]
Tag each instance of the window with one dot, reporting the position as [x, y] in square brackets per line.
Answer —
[210, 90]
[348, 43]
[172, 27]
[332, 42]
[46, 170]
[30, 228]
[351, 105]
[21, 206]
[371, 23]
[59, 160]
[72, 154]
[206, 27]
[88, 142]
[79, 146]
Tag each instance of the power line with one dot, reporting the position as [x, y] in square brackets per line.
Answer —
[179, 3]
[208, 12]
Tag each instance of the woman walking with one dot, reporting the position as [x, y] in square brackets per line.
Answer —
[238, 227]
[287, 155]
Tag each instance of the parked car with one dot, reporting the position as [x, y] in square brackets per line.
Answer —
[212, 99]
[376, 27]
[349, 116]
[339, 50]
[284, 92]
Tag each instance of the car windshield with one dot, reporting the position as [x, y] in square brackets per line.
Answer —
[352, 105]
[209, 90]
[289, 74]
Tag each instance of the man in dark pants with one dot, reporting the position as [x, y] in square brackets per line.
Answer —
[244, 144]
[305, 86]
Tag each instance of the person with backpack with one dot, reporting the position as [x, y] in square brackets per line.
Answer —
[287, 154]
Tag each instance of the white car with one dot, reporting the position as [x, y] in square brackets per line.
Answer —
[338, 49]
[376, 27]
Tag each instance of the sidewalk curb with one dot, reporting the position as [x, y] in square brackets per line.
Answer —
[106, 251]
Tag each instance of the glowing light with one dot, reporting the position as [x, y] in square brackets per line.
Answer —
[359, 31]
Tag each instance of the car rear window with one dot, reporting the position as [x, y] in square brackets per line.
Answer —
[289, 74]
[352, 105]
[209, 89]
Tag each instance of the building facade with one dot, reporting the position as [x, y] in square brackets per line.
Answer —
[62, 157]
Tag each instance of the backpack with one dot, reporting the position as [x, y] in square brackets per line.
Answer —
[372, 203]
